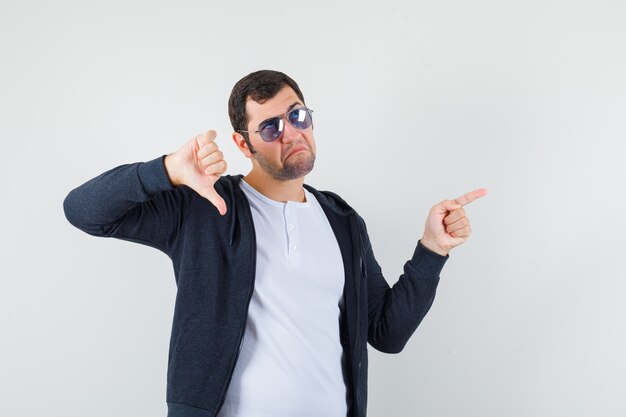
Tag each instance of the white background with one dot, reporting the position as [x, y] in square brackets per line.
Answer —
[415, 102]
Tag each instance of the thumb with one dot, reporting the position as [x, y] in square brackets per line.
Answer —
[215, 199]
[206, 137]
[219, 203]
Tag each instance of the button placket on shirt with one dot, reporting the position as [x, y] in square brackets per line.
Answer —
[293, 249]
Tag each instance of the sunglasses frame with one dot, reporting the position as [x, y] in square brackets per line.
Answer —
[280, 119]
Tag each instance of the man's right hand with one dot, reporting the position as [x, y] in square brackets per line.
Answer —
[198, 165]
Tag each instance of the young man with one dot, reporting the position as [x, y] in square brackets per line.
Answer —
[278, 288]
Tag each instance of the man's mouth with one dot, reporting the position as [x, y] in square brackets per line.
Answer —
[297, 149]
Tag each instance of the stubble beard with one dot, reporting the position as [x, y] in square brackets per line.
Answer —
[289, 171]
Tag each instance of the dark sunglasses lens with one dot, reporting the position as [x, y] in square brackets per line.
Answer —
[300, 118]
[271, 129]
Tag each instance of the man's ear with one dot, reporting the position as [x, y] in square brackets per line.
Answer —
[241, 144]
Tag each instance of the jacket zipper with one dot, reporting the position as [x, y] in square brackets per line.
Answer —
[242, 331]
[358, 270]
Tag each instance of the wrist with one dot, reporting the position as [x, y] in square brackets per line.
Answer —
[170, 168]
[433, 247]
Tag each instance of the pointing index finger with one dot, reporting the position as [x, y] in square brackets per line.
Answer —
[471, 196]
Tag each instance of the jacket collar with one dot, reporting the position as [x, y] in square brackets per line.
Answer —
[328, 198]
[230, 187]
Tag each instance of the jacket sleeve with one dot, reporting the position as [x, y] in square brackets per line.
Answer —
[395, 313]
[134, 202]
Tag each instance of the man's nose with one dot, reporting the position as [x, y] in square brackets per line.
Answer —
[291, 133]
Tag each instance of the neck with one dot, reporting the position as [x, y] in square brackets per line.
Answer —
[287, 190]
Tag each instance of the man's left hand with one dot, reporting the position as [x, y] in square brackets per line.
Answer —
[446, 225]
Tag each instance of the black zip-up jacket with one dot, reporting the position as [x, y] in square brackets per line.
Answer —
[214, 259]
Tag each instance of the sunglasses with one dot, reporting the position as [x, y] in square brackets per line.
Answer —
[274, 127]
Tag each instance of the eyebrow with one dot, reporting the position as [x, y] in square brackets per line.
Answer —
[292, 106]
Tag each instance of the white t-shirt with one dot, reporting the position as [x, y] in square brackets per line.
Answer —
[290, 362]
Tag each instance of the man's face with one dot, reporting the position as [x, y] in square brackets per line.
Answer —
[293, 155]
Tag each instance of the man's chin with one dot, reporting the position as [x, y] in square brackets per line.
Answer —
[299, 170]
[289, 171]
